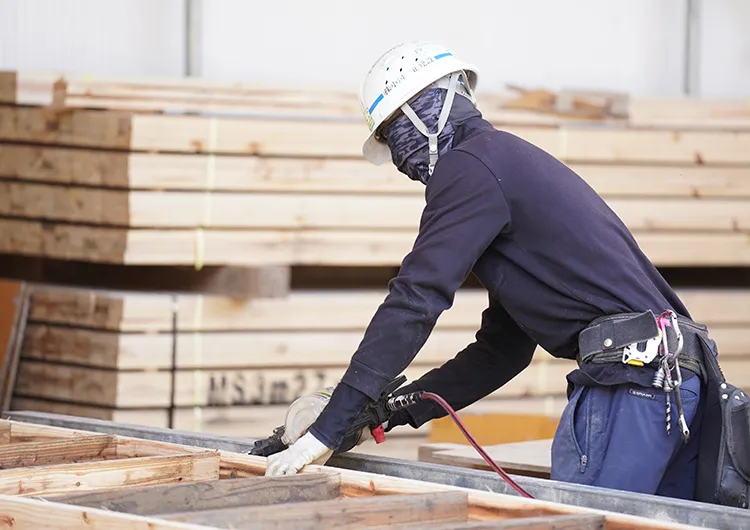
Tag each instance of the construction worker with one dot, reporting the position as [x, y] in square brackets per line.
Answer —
[562, 271]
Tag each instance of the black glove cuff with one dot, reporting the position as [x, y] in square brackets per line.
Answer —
[344, 407]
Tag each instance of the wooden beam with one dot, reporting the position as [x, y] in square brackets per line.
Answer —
[257, 386]
[21, 513]
[259, 248]
[66, 90]
[348, 310]
[93, 385]
[63, 478]
[53, 452]
[257, 210]
[233, 282]
[261, 349]
[248, 349]
[30, 432]
[190, 134]
[554, 522]
[224, 387]
[341, 513]
[189, 95]
[209, 495]
[160, 171]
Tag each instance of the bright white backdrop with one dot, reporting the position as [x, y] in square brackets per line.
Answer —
[635, 45]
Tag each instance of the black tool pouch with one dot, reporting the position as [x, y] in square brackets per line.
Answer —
[724, 454]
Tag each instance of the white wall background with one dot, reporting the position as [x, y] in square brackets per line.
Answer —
[632, 45]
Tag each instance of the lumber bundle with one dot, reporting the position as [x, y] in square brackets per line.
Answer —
[511, 104]
[54, 477]
[108, 172]
[214, 364]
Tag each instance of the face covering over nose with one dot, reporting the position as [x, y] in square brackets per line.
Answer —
[409, 147]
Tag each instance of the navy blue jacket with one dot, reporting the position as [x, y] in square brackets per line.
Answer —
[550, 252]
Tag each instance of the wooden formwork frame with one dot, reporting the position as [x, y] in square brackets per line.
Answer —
[55, 477]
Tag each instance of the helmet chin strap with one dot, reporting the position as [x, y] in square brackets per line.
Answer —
[432, 138]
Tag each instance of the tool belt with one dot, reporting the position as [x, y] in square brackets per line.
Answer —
[606, 338]
[723, 457]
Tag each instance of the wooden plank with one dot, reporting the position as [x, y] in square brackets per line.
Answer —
[99, 349]
[130, 447]
[224, 387]
[21, 513]
[348, 310]
[108, 474]
[92, 385]
[208, 495]
[29, 432]
[680, 112]
[127, 447]
[276, 386]
[531, 458]
[300, 310]
[554, 522]
[255, 386]
[257, 210]
[121, 130]
[66, 451]
[340, 513]
[483, 505]
[256, 349]
[258, 248]
[186, 94]
[247, 349]
[112, 169]
[66, 90]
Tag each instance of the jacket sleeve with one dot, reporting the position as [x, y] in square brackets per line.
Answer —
[465, 211]
[499, 353]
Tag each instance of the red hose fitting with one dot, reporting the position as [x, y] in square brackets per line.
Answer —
[378, 434]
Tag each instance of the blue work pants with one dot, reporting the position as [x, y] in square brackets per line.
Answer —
[615, 437]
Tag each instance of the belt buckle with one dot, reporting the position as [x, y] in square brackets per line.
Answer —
[633, 355]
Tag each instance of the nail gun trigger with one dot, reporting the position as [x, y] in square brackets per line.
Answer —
[271, 445]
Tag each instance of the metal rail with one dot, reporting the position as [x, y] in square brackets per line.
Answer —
[653, 507]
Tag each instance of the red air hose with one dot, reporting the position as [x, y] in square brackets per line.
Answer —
[440, 401]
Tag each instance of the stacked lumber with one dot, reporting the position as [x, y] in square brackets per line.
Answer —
[214, 364]
[86, 175]
[54, 477]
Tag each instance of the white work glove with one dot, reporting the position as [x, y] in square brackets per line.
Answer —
[306, 450]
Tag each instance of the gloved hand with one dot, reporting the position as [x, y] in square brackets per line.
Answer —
[306, 450]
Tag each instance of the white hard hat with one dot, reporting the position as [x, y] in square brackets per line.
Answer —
[397, 76]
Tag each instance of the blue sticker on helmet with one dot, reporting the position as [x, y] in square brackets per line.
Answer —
[375, 103]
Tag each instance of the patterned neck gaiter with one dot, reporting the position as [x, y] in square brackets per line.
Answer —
[409, 147]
